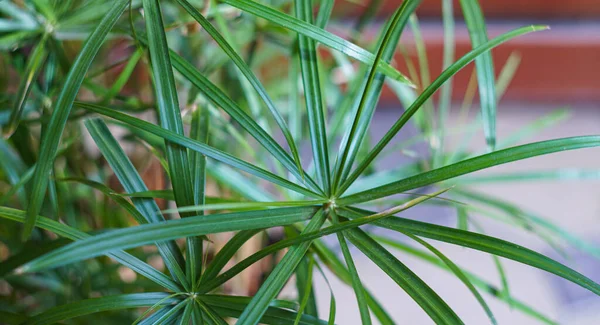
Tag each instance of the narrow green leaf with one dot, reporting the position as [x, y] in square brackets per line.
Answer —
[34, 63]
[485, 69]
[421, 293]
[514, 211]
[220, 99]
[233, 306]
[247, 72]
[198, 131]
[17, 188]
[463, 218]
[119, 200]
[94, 305]
[474, 164]
[357, 286]
[227, 252]
[446, 89]
[28, 252]
[475, 280]
[71, 233]
[563, 174]
[161, 231]
[196, 146]
[157, 305]
[332, 304]
[279, 276]
[317, 34]
[12, 10]
[307, 292]
[331, 260]
[237, 182]
[314, 100]
[197, 317]
[428, 92]
[124, 76]
[304, 287]
[186, 317]
[212, 314]
[325, 9]
[366, 102]
[151, 320]
[483, 243]
[459, 274]
[507, 74]
[155, 194]
[133, 182]
[246, 205]
[171, 316]
[14, 171]
[309, 236]
[62, 109]
[544, 122]
[424, 118]
[168, 104]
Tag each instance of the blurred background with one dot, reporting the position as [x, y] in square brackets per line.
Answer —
[557, 69]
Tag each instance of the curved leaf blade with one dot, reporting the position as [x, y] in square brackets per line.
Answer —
[485, 69]
[428, 92]
[247, 72]
[62, 109]
[474, 164]
[313, 98]
[94, 305]
[367, 101]
[196, 146]
[421, 293]
[161, 231]
[124, 258]
[259, 304]
[482, 243]
[318, 34]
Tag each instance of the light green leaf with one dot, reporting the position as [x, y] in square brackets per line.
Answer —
[485, 69]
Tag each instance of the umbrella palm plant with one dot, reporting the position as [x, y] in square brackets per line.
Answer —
[231, 147]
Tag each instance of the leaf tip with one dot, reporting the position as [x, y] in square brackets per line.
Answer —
[20, 270]
[539, 27]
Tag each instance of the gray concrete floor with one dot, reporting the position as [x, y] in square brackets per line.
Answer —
[573, 205]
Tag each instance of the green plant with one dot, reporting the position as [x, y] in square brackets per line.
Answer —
[64, 261]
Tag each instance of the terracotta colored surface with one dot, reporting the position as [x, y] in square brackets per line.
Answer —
[494, 8]
[561, 64]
